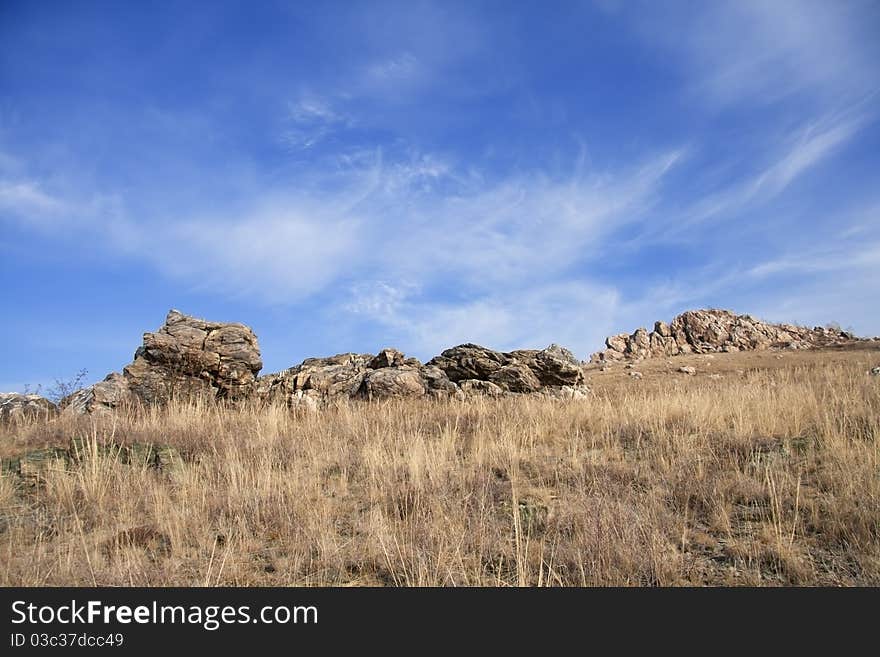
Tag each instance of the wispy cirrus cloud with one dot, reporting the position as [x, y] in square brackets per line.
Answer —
[413, 179]
[415, 220]
[310, 119]
[754, 53]
[804, 148]
[576, 313]
[27, 200]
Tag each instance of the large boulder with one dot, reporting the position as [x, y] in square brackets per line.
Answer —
[225, 356]
[386, 358]
[522, 370]
[470, 361]
[478, 388]
[318, 382]
[14, 405]
[515, 377]
[437, 384]
[187, 357]
[107, 395]
[557, 366]
[382, 383]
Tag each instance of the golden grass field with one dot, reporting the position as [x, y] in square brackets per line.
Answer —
[763, 469]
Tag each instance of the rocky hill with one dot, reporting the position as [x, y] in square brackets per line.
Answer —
[191, 357]
[709, 331]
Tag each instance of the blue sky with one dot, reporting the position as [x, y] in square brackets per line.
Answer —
[349, 176]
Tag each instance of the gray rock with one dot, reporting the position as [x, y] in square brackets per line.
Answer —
[662, 329]
[576, 393]
[478, 387]
[553, 366]
[387, 358]
[469, 361]
[557, 366]
[186, 358]
[710, 331]
[390, 382]
[14, 405]
[516, 377]
[107, 395]
[617, 343]
[317, 382]
[224, 355]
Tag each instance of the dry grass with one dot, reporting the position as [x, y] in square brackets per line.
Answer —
[767, 477]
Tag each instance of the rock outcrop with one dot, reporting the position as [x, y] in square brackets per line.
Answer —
[521, 371]
[111, 393]
[190, 357]
[318, 381]
[196, 355]
[708, 331]
[467, 369]
[14, 405]
[187, 357]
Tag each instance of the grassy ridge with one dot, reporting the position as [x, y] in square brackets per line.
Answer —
[771, 477]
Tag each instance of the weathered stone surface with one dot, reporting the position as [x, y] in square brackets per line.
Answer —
[639, 344]
[688, 370]
[515, 377]
[226, 355]
[479, 387]
[190, 357]
[390, 382]
[709, 331]
[317, 382]
[470, 361]
[104, 396]
[14, 405]
[387, 358]
[557, 366]
[617, 342]
[553, 366]
[577, 393]
[187, 357]
[158, 384]
[437, 383]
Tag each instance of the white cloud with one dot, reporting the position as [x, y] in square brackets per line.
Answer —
[279, 253]
[413, 219]
[310, 120]
[847, 257]
[816, 143]
[576, 314]
[312, 109]
[758, 52]
[27, 200]
[790, 158]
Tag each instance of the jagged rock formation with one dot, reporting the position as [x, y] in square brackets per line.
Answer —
[524, 370]
[186, 357]
[17, 405]
[190, 357]
[318, 381]
[467, 369]
[708, 331]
